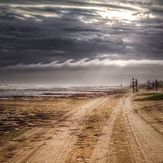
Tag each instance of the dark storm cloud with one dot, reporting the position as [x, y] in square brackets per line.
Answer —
[74, 42]
[26, 40]
[65, 30]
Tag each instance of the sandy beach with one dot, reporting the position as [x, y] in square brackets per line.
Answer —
[81, 81]
[114, 126]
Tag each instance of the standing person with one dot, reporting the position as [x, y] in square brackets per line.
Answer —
[153, 85]
[133, 85]
[149, 85]
[156, 84]
[136, 85]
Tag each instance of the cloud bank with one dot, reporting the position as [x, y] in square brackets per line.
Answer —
[48, 35]
[86, 64]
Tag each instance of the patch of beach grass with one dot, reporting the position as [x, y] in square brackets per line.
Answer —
[150, 97]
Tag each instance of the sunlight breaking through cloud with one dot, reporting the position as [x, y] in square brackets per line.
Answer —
[86, 63]
[80, 35]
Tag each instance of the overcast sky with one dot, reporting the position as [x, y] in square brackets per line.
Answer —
[80, 42]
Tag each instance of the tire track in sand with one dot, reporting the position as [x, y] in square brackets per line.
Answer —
[57, 148]
[149, 141]
[126, 132]
[101, 152]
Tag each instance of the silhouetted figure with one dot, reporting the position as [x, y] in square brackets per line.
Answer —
[153, 85]
[156, 84]
[136, 85]
[133, 85]
[149, 85]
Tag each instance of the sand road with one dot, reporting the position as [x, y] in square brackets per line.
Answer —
[59, 143]
[125, 138]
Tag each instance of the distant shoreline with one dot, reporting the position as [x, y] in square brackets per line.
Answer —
[59, 92]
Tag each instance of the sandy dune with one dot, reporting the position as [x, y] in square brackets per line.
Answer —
[124, 136]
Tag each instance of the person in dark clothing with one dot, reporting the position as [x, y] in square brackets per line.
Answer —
[153, 85]
[156, 84]
[136, 85]
[133, 85]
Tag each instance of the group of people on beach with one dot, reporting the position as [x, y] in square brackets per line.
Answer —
[150, 85]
